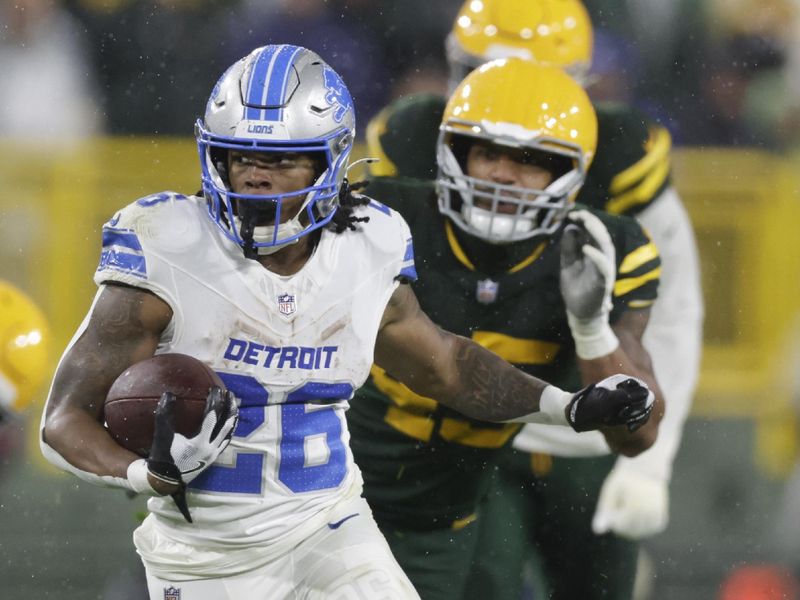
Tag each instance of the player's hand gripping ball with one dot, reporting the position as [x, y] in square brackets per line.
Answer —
[131, 402]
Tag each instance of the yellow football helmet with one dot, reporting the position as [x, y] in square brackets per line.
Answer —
[553, 32]
[518, 104]
[24, 336]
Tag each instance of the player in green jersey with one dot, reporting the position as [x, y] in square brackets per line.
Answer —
[496, 250]
[627, 497]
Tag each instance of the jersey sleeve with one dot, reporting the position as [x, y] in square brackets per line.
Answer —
[130, 244]
[391, 242]
[403, 136]
[406, 269]
[632, 163]
[638, 265]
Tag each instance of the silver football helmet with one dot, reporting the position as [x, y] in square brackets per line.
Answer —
[279, 98]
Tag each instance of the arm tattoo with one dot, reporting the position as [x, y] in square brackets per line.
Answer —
[113, 341]
[490, 389]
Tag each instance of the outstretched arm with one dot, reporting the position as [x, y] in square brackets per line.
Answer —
[452, 369]
[465, 376]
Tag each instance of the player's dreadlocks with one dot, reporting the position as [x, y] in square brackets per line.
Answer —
[344, 219]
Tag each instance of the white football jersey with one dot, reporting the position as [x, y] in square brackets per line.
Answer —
[291, 348]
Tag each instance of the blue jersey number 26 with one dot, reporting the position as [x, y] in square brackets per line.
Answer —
[299, 428]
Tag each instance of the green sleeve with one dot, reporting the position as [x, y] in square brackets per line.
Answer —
[631, 166]
[403, 136]
[638, 264]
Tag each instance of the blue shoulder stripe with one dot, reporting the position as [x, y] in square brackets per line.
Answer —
[122, 252]
[409, 255]
[408, 270]
[123, 238]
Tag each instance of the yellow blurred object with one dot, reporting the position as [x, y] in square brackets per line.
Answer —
[744, 208]
[24, 340]
[776, 443]
[773, 18]
[554, 32]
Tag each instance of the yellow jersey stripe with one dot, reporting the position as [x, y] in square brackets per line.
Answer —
[534, 255]
[641, 194]
[657, 148]
[461, 523]
[415, 426]
[455, 247]
[638, 257]
[461, 256]
[640, 303]
[400, 394]
[465, 433]
[517, 350]
[623, 286]
[375, 129]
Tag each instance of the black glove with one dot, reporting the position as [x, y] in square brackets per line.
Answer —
[160, 463]
[617, 400]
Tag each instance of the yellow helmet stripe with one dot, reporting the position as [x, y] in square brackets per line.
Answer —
[638, 257]
[623, 286]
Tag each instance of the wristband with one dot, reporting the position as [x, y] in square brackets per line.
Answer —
[552, 405]
[137, 477]
[593, 338]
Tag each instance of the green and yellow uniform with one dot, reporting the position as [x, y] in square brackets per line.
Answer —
[426, 468]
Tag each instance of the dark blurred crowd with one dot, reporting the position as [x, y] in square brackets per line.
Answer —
[715, 72]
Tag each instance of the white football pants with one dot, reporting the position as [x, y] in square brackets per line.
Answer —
[348, 559]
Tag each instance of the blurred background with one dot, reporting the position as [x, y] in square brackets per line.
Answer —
[97, 104]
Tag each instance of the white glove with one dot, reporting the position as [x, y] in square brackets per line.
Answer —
[588, 272]
[194, 455]
[176, 459]
[632, 504]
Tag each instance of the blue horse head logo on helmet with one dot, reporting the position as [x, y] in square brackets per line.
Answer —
[337, 94]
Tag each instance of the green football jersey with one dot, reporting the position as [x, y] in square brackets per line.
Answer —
[630, 169]
[424, 464]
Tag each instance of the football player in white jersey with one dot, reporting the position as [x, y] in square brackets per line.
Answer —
[289, 286]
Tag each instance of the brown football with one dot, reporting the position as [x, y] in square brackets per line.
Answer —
[131, 402]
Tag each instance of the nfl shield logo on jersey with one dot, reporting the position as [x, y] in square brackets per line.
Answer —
[172, 593]
[487, 291]
[286, 304]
